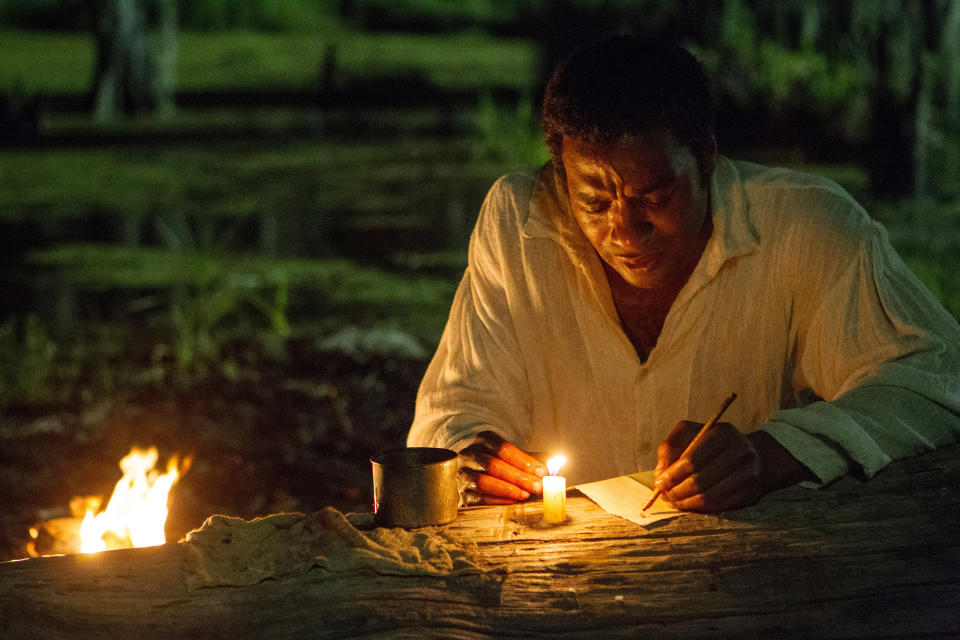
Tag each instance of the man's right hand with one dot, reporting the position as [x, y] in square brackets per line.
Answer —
[493, 471]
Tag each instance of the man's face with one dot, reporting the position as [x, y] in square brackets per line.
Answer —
[642, 205]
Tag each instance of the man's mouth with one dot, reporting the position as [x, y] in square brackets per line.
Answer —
[640, 263]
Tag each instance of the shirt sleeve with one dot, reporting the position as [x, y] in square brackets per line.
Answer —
[885, 358]
[476, 379]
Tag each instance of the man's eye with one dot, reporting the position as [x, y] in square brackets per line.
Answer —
[658, 198]
[595, 207]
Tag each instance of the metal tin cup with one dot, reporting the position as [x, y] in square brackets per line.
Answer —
[415, 487]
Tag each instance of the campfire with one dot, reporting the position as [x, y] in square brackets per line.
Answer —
[134, 517]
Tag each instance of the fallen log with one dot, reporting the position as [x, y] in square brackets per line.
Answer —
[854, 559]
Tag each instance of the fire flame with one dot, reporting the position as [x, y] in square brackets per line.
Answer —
[554, 464]
[137, 511]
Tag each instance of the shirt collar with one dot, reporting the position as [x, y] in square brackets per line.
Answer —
[549, 216]
[733, 235]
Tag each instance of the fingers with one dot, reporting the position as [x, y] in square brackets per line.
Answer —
[484, 483]
[722, 472]
[494, 471]
[737, 489]
[674, 445]
[472, 498]
[503, 460]
[477, 458]
[512, 454]
[500, 469]
[488, 484]
[482, 488]
[521, 460]
[715, 442]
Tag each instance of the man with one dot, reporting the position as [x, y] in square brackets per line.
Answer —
[640, 278]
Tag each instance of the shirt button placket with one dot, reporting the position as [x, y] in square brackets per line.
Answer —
[641, 431]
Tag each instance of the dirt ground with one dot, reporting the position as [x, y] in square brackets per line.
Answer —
[291, 438]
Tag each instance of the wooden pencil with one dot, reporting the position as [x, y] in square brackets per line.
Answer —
[696, 441]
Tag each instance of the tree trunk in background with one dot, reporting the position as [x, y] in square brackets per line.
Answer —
[921, 128]
[122, 81]
[167, 49]
[131, 76]
[950, 54]
[810, 21]
[936, 42]
[891, 154]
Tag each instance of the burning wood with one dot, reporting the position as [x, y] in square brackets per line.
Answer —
[135, 515]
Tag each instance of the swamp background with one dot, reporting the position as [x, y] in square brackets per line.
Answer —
[233, 228]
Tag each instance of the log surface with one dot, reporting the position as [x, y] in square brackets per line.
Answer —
[856, 559]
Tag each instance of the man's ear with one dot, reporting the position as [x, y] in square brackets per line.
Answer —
[559, 174]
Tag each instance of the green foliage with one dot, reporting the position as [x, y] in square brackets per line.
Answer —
[793, 75]
[755, 69]
[926, 233]
[332, 286]
[739, 32]
[199, 314]
[229, 183]
[27, 362]
[220, 196]
[73, 183]
[264, 15]
[940, 272]
[200, 304]
[430, 15]
[509, 136]
[63, 62]
[46, 62]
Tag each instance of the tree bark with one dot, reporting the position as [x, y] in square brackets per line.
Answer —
[130, 75]
[921, 128]
[890, 159]
[167, 50]
[950, 54]
[855, 559]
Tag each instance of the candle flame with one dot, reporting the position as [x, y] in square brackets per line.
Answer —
[554, 464]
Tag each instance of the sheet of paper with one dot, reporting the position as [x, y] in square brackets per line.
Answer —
[625, 496]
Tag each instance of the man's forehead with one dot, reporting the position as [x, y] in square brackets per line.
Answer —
[655, 140]
[657, 155]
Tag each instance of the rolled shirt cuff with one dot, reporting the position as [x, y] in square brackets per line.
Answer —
[817, 455]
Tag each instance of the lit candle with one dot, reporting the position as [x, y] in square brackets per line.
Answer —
[554, 492]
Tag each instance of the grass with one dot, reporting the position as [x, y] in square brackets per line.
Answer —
[31, 378]
[62, 63]
[46, 62]
[95, 211]
[317, 228]
[68, 183]
[185, 306]
[95, 267]
[236, 180]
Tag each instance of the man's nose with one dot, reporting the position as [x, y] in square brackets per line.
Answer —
[629, 222]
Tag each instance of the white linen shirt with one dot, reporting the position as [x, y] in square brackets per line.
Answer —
[798, 304]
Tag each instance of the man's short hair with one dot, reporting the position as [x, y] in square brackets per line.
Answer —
[627, 87]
